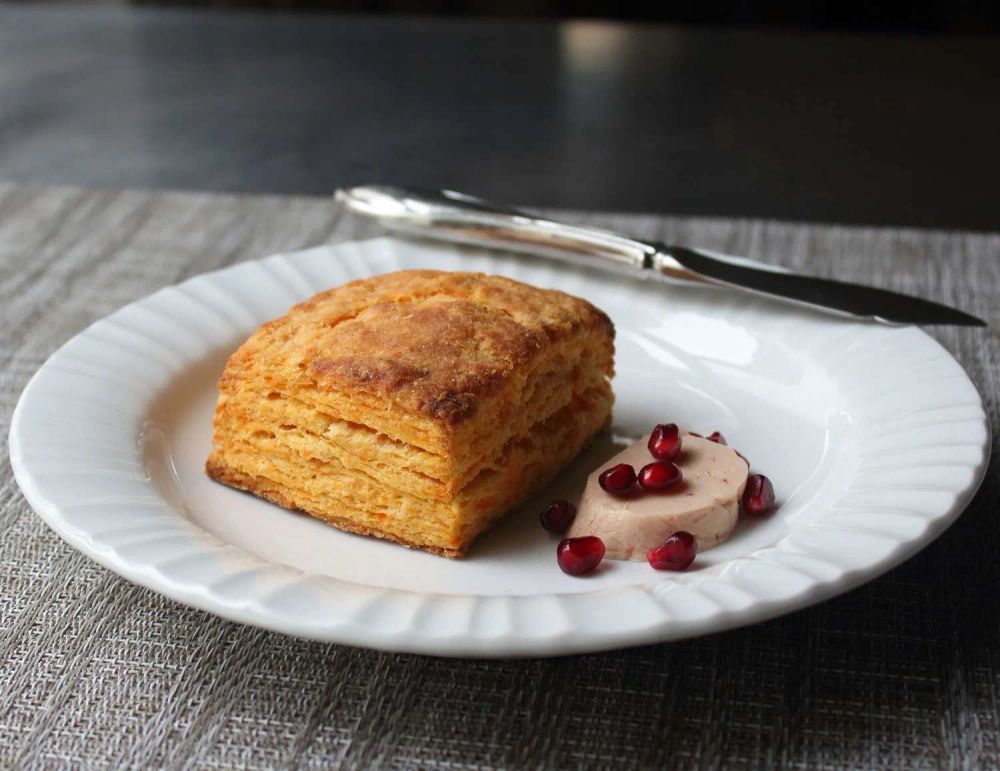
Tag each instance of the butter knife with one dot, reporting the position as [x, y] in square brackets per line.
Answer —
[451, 216]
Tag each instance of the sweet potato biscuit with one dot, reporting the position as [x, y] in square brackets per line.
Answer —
[416, 406]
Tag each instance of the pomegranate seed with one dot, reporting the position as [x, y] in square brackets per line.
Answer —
[558, 516]
[659, 475]
[676, 553]
[665, 441]
[716, 437]
[758, 497]
[617, 480]
[577, 556]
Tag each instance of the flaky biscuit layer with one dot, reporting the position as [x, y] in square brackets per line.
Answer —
[293, 476]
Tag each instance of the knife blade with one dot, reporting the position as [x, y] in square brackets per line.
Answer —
[453, 216]
[853, 299]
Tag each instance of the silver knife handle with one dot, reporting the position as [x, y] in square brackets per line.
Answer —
[444, 214]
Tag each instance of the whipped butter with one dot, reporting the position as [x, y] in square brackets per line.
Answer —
[705, 503]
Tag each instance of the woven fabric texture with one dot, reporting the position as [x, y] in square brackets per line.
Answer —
[96, 672]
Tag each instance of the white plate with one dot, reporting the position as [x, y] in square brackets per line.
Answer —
[874, 437]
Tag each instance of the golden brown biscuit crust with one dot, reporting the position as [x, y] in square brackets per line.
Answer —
[416, 406]
[432, 342]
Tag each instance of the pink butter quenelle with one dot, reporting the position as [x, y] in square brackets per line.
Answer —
[705, 503]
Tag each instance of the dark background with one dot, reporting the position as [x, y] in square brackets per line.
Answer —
[853, 113]
[926, 16]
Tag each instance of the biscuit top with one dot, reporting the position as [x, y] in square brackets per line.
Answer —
[433, 342]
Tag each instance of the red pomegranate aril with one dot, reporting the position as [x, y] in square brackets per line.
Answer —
[617, 480]
[558, 516]
[665, 441]
[716, 437]
[577, 556]
[758, 496]
[676, 553]
[659, 475]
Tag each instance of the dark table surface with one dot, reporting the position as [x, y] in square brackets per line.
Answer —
[576, 114]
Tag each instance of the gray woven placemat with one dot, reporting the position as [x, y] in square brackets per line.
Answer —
[95, 672]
